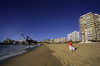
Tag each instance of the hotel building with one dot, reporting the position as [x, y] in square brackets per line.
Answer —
[89, 27]
[69, 37]
[55, 40]
[46, 40]
[59, 40]
[63, 39]
[74, 36]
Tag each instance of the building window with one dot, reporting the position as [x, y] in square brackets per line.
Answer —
[89, 36]
[98, 30]
[98, 24]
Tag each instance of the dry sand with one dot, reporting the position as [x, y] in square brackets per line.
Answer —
[85, 54]
[59, 55]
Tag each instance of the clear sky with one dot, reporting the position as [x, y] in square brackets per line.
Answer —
[42, 19]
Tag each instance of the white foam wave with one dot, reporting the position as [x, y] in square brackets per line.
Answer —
[21, 50]
[18, 53]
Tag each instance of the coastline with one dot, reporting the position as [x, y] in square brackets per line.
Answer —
[11, 57]
[41, 56]
[59, 55]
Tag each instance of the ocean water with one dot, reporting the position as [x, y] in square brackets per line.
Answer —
[9, 50]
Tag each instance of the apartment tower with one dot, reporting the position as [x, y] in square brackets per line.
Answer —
[55, 40]
[89, 27]
[74, 36]
[69, 37]
[63, 39]
[59, 40]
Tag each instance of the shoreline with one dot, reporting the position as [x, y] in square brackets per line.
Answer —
[59, 55]
[11, 57]
[41, 56]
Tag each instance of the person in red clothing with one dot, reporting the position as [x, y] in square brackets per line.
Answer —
[70, 45]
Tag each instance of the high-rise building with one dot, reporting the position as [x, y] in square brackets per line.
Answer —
[89, 26]
[55, 40]
[69, 37]
[74, 36]
[59, 40]
[46, 40]
[63, 39]
[97, 26]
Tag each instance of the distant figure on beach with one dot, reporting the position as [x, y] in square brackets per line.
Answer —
[70, 45]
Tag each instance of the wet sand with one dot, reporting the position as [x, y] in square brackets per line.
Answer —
[59, 55]
[41, 56]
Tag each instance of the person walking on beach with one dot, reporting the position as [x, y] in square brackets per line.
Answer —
[70, 45]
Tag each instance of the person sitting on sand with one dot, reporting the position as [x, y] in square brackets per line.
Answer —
[70, 45]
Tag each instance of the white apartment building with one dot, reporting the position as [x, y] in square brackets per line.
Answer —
[63, 39]
[69, 37]
[89, 27]
[97, 26]
[74, 36]
[59, 40]
[55, 40]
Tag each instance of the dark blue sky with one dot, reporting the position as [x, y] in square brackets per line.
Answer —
[42, 19]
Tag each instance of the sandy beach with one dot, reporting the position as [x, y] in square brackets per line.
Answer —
[85, 54]
[59, 55]
[41, 56]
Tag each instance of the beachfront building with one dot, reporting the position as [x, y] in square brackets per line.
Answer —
[74, 36]
[59, 40]
[55, 40]
[97, 26]
[46, 40]
[63, 39]
[89, 27]
[52, 40]
[69, 37]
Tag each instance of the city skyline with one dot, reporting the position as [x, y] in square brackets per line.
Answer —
[42, 19]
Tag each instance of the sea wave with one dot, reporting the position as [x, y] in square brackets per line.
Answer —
[21, 49]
